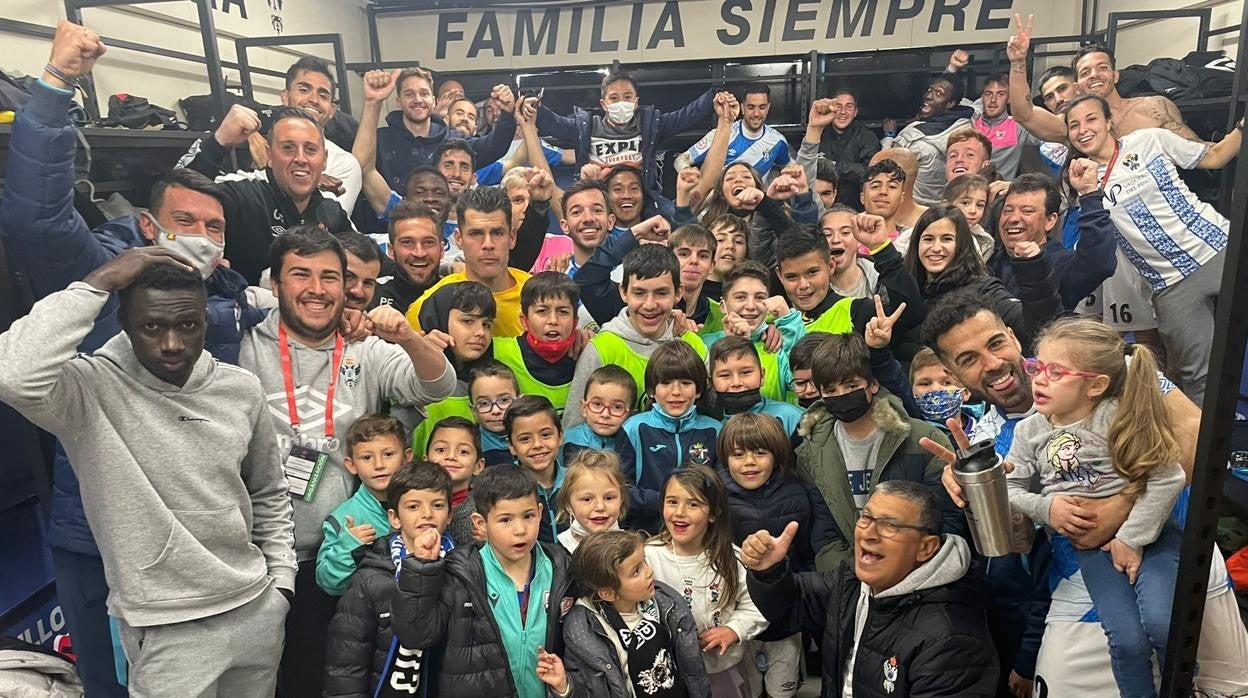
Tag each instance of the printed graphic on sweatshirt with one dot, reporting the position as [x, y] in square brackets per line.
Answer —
[310, 402]
[1062, 453]
[890, 675]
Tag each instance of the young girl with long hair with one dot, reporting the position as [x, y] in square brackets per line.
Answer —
[629, 636]
[593, 496]
[764, 493]
[1101, 429]
[694, 554]
[1172, 238]
[943, 257]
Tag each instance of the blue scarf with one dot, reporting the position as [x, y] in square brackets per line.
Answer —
[404, 678]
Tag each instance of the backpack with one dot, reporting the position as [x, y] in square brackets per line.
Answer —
[200, 110]
[1199, 75]
[133, 111]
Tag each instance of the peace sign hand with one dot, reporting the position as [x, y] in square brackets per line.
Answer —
[879, 330]
[1020, 44]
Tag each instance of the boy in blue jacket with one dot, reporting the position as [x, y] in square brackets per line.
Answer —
[670, 435]
[609, 398]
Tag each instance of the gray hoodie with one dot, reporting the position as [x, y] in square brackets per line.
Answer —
[373, 374]
[590, 361]
[182, 486]
[948, 565]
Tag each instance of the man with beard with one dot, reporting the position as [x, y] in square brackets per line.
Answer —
[179, 474]
[413, 132]
[317, 386]
[363, 268]
[1073, 660]
[462, 116]
[753, 142]
[259, 208]
[416, 248]
[1057, 88]
[310, 87]
[1096, 75]
[939, 115]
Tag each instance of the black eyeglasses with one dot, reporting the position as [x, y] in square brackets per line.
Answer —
[887, 528]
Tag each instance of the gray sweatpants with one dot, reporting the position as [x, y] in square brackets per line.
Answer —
[230, 654]
[1185, 320]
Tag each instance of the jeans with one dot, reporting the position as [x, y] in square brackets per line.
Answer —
[82, 592]
[1136, 619]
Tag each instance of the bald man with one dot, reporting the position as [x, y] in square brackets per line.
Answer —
[909, 211]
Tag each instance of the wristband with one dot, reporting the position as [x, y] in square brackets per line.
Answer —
[881, 247]
[60, 75]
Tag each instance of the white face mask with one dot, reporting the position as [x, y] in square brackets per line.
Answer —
[200, 250]
[621, 112]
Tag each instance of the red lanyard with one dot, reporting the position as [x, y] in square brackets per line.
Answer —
[288, 377]
[1109, 169]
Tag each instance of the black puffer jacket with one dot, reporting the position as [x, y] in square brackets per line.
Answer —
[780, 500]
[931, 642]
[444, 605]
[360, 633]
[593, 661]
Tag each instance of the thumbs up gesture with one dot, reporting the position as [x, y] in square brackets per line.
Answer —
[761, 551]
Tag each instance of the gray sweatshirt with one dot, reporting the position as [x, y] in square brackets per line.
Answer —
[373, 374]
[590, 361]
[182, 486]
[1074, 460]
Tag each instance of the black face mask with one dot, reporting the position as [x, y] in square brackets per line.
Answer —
[738, 402]
[807, 402]
[849, 407]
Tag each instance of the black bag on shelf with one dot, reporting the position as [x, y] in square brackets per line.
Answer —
[133, 111]
[1199, 75]
[201, 113]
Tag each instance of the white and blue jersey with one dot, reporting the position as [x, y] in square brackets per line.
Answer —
[1164, 231]
[762, 152]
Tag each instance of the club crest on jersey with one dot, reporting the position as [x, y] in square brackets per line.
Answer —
[699, 454]
[890, 675]
[350, 372]
[1132, 161]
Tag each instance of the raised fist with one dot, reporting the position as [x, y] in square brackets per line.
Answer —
[870, 230]
[959, 60]
[379, 84]
[239, 123]
[653, 229]
[75, 49]
[1083, 176]
[822, 113]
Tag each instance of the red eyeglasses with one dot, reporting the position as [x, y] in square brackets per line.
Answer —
[1054, 372]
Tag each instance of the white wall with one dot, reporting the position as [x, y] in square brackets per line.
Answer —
[1170, 38]
[175, 25]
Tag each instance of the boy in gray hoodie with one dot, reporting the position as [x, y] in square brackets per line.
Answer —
[317, 385]
[180, 474]
[649, 290]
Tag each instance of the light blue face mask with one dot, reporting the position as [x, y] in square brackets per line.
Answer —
[939, 405]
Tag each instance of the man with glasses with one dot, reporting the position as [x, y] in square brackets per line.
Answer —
[902, 619]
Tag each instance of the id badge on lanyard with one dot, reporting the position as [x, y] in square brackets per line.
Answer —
[305, 463]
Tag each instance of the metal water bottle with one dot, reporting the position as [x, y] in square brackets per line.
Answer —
[980, 472]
